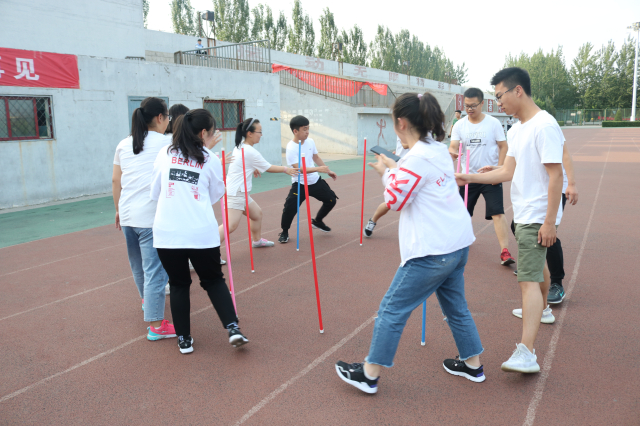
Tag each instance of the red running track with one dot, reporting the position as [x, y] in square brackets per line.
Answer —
[74, 349]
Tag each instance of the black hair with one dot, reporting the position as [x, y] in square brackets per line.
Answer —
[474, 93]
[423, 113]
[459, 111]
[248, 125]
[298, 121]
[142, 116]
[512, 77]
[186, 137]
[175, 111]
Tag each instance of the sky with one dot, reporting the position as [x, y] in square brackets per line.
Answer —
[480, 34]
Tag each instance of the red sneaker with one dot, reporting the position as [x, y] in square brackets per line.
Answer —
[505, 258]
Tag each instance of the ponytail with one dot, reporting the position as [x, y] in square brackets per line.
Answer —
[149, 109]
[248, 125]
[423, 113]
[186, 136]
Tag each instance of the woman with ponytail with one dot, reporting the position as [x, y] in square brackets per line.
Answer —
[187, 181]
[248, 134]
[435, 234]
[135, 211]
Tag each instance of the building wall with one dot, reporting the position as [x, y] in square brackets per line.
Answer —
[90, 122]
[104, 28]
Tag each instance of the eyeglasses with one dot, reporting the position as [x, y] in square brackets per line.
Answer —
[472, 107]
[500, 97]
[170, 117]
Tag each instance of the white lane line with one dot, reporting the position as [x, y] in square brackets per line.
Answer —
[553, 344]
[66, 298]
[59, 260]
[303, 372]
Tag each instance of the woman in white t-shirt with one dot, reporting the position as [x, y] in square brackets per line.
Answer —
[187, 181]
[435, 235]
[135, 211]
[251, 131]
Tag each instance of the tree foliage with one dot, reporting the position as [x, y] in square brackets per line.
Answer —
[232, 20]
[145, 11]
[182, 15]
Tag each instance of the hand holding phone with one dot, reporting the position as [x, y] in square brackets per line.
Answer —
[379, 150]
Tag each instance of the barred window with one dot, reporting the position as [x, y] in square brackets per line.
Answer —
[228, 114]
[25, 118]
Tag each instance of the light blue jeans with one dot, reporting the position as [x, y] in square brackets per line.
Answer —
[148, 273]
[413, 284]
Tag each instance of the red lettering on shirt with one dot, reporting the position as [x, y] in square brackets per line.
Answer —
[173, 160]
[180, 160]
[440, 181]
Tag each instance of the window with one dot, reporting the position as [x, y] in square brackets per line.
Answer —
[25, 118]
[228, 114]
[135, 101]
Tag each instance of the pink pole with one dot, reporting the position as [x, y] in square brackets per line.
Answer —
[364, 167]
[246, 202]
[225, 226]
[459, 156]
[466, 187]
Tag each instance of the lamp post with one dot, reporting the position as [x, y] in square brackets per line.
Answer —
[635, 27]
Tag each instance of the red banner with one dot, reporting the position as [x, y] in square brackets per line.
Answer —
[27, 68]
[460, 102]
[337, 85]
[489, 105]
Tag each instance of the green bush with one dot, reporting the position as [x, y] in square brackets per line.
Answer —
[560, 123]
[618, 116]
[621, 123]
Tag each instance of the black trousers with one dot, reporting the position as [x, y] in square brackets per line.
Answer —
[319, 190]
[206, 262]
[555, 256]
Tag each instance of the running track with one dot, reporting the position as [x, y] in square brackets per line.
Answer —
[74, 350]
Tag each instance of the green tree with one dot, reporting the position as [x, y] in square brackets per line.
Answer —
[232, 20]
[275, 31]
[258, 24]
[145, 11]
[583, 74]
[182, 17]
[382, 51]
[354, 50]
[309, 40]
[618, 116]
[328, 36]
[199, 25]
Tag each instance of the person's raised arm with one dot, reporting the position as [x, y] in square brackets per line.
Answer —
[116, 189]
[572, 189]
[498, 175]
[291, 171]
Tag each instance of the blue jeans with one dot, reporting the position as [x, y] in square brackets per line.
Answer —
[147, 270]
[413, 284]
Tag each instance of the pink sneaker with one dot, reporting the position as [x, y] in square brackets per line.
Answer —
[165, 331]
[263, 243]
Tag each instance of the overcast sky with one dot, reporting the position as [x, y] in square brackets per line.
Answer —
[479, 33]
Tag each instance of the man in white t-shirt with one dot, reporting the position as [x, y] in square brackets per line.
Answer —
[483, 135]
[318, 187]
[509, 123]
[534, 165]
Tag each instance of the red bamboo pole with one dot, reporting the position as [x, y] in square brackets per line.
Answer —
[364, 166]
[313, 252]
[246, 202]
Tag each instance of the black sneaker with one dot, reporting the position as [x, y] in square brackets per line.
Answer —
[515, 272]
[556, 294]
[368, 230]
[236, 338]
[284, 237]
[459, 368]
[185, 344]
[320, 225]
[354, 375]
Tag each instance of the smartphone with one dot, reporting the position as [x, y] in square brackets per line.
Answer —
[379, 150]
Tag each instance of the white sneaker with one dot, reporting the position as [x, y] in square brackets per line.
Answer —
[547, 316]
[368, 230]
[522, 361]
[223, 262]
[262, 243]
[167, 289]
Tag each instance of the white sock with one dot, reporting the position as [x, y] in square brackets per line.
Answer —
[367, 376]
[470, 366]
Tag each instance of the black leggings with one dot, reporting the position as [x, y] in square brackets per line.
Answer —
[555, 257]
[319, 190]
[206, 262]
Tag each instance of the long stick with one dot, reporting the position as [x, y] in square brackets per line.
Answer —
[364, 166]
[246, 202]
[298, 214]
[424, 321]
[313, 251]
[466, 187]
[225, 226]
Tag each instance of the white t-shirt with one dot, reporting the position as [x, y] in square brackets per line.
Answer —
[433, 218]
[308, 148]
[400, 151]
[482, 139]
[135, 207]
[253, 160]
[509, 122]
[185, 191]
[533, 144]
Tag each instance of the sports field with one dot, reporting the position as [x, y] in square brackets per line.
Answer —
[75, 350]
